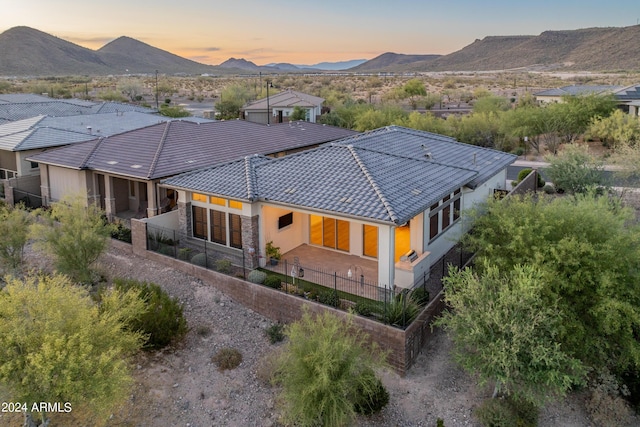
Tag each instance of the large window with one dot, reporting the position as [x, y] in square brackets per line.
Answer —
[444, 214]
[213, 220]
[329, 232]
[370, 240]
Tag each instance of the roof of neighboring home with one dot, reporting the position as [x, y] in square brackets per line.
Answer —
[167, 149]
[22, 107]
[46, 131]
[382, 175]
[285, 99]
[629, 93]
[574, 90]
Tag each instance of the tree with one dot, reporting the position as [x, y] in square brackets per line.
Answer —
[298, 113]
[324, 370]
[505, 331]
[14, 229]
[574, 170]
[56, 345]
[232, 98]
[491, 104]
[414, 89]
[586, 248]
[175, 111]
[75, 235]
[617, 130]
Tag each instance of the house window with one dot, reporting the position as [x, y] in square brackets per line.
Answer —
[35, 165]
[329, 232]
[234, 204]
[218, 201]
[199, 222]
[235, 231]
[198, 197]
[370, 240]
[444, 214]
[218, 227]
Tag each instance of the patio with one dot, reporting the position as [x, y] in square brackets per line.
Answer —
[330, 268]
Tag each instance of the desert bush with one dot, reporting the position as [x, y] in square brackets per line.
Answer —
[200, 260]
[371, 395]
[323, 368]
[163, 321]
[507, 412]
[166, 250]
[203, 331]
[606, 405]
[400, 311]
[420, 295]
[275, 333]
[549, 189]
[184, 254]
[329, 298]
[272, 281]
[363, 308]
[227, 358]
[257, 276]
[121, 232]
[523, 174]
[223, 266]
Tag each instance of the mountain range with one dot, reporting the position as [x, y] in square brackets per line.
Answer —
[26, 51]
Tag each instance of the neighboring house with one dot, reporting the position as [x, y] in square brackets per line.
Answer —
[24, 138]
[277, 108]
[376, 196]
[23, 106]
[121, 173]
[628, 97]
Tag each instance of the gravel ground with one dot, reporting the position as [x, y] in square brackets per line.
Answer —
[182, 387]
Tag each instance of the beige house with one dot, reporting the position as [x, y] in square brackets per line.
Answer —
[628, 97]
[277, 108]
[383, 205]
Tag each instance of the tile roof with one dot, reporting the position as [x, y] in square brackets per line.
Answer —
[380, 175]
[46, 131]
[630, 93]
[285, 99]
[167, 149]
[575, 90]
[22, 107]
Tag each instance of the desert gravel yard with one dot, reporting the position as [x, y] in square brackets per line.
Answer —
[181, 386]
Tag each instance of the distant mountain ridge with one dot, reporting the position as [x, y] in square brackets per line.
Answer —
[26, 51]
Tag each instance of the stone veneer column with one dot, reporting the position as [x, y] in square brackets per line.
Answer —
[184, 219]
[250, 240]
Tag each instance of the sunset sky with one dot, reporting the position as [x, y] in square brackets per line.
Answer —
[307, 32]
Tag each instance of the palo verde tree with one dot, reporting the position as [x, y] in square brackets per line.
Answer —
[75, 235]
[504, 330]
[326, 370]
[14, 229]
[575, 170]
[587, 250]
[57, 345]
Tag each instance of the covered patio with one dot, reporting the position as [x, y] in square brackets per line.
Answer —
[331, 268]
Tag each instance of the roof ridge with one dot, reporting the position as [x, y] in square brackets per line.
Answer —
[91, 152]
[373, 183]
[156, 156]
[250, 177]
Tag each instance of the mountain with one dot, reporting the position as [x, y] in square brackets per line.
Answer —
[127, 55]
[589, 49]
[239, 64]
[335, 66]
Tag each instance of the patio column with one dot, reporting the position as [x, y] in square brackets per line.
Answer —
[109, 198]
[45, 190]
[184, 217]
[386, 255]
[152, 199]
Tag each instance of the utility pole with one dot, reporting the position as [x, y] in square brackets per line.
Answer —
[157, 105]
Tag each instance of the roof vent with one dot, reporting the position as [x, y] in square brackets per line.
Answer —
[428, 155]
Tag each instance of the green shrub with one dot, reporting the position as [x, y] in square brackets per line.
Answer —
[420, 296]
[200, 260]
[549, 189]
[273, 281]
[507, 412]
[400, 311]
[223, 266]
[524, 173]
[371, 395]
[257, 276]
[227, 358]
[363, 308]
[184, 254]
[275, 333]
[163, 321]
[166, 250]
[119, 231]
[329, 298]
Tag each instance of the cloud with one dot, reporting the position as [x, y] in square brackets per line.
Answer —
[211, 49]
